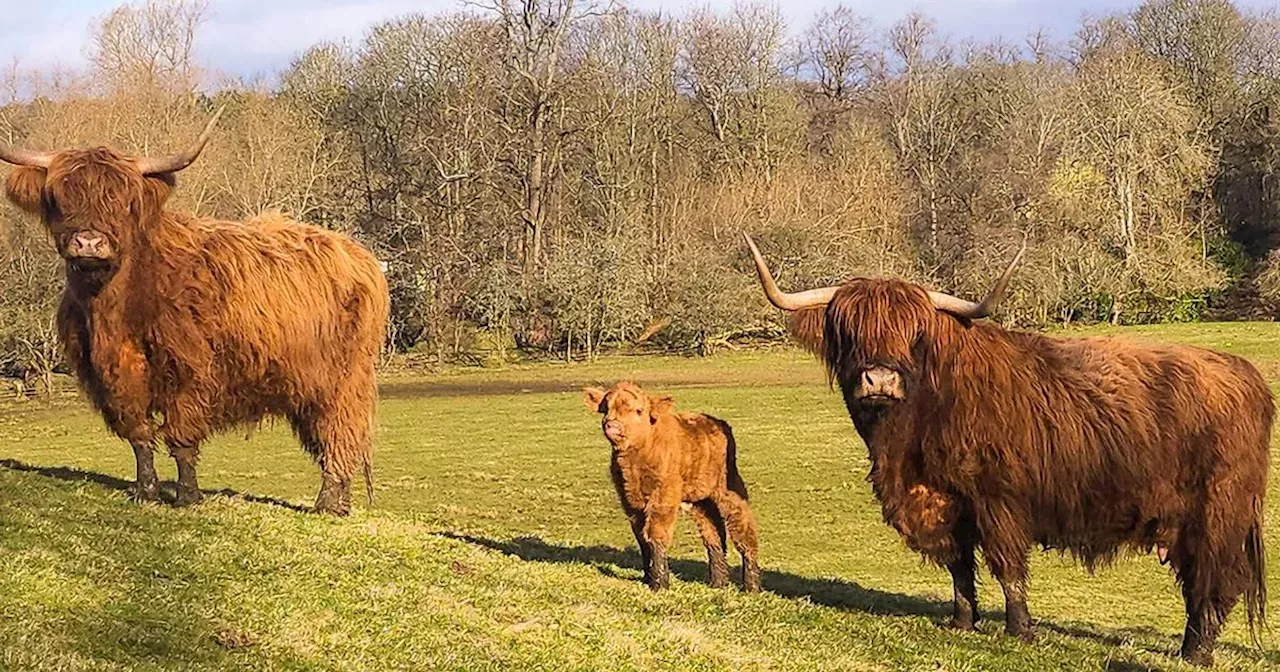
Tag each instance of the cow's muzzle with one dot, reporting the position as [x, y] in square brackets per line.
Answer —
[879, 384]
[89, 246]
[613, 431]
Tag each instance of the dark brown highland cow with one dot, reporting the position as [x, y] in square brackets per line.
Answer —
[985, 438]
[664, 461]
[207, 324]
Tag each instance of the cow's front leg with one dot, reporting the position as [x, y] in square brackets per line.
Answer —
[183, 433]
[121, 392]
[1006, 547]
[1010, 569]
[188, 487]
[147, 487]
[964, 586]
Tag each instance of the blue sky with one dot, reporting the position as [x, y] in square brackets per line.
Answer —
[260, 36]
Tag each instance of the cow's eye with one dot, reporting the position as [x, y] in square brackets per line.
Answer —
[639, 411]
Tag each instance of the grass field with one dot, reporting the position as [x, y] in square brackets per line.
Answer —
[496, 543]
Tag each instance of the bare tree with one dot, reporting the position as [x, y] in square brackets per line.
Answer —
[149, 44]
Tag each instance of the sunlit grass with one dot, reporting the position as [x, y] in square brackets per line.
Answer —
[496, 542]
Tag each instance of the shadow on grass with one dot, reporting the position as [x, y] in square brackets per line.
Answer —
[1127, 636]
[168, 489]
[836, 593]
[847, 595]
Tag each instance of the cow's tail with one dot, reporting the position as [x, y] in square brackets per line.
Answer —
[368, 480]
[1255, 595]
[733, 478]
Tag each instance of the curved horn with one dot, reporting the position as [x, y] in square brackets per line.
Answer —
[811, 298]
[149, 165]
[25, 157]
[970, 310]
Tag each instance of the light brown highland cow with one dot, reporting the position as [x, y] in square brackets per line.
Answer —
[178, 326]
[664, 461]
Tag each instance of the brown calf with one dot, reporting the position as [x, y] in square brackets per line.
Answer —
[664, 461]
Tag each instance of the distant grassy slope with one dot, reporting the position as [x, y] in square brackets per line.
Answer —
[511, 485]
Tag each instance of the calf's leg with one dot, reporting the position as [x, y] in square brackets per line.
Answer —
[646, 553]
[659, 528]
[712, 530]
[741, 523]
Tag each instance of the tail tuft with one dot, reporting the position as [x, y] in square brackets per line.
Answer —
[1255, 595]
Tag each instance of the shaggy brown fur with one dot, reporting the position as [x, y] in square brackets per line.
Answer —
[664, 461]
[209, 324]
[998, 440]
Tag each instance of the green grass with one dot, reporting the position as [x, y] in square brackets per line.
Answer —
[496, 543]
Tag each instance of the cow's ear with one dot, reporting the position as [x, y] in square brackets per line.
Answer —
[25, 188]
[659, 406]
[159, 187]
[593, 397]
[807, 326]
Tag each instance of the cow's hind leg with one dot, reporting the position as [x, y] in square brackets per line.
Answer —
[1212, 566]
[741, 524]
[312, 427]
[712, 530]
[339, 435]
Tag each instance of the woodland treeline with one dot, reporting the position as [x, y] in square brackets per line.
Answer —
[561, 177]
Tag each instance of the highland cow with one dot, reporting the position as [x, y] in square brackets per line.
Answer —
[177, 327]
[664, 461]
[985, 438]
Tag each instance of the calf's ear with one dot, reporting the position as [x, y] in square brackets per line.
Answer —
[659, 406]
[25, 187]
[592, 397]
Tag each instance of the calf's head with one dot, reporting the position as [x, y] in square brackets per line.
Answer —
[878, 337]
[628, 414]
[96, 203]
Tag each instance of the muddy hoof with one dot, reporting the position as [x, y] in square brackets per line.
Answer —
[1025, 633]
[187, 497]
[1199, 657]
[145, 492]
[332, 506]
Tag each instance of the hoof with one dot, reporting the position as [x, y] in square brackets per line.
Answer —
[718, 583]
[336, 511]
[962, 625]
[1026, 634]
[659, 584]
[145, 493]
[1199, 658]
[187, 497]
